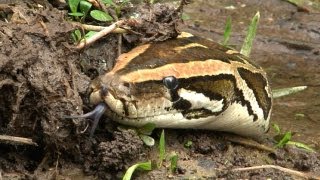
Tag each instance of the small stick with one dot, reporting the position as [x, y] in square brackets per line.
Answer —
[286, 170]
[250, 143]
[98, 28]
[19, 140]
[100, 34]
[119, 44]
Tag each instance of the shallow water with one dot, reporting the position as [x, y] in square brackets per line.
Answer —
[287, 46]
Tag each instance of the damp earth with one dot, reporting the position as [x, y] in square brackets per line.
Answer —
[43, 77]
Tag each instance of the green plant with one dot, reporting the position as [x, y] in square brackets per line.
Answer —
[162, 148]
[188, 144]
[173, 162]
[227, 32]
[276, 93]
[283, 139]
[145, 166]
[144, 133]
[81, 8]
[185, 16]
[247, 45]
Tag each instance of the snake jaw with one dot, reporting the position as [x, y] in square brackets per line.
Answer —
[95, 115]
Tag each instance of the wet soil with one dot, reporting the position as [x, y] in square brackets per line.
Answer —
[43, 77]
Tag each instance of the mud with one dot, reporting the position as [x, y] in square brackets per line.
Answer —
[43, 78]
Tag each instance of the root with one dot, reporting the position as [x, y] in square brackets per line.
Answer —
[17, 140]
[250, 143]
[98, 28]
[100, 34]
[285, 170]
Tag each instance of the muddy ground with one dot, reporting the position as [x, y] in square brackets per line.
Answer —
[43, 77]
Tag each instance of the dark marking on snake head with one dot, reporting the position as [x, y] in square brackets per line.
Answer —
[257, 83]
[182, 104]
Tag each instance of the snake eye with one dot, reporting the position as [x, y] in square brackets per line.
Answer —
[171, 82]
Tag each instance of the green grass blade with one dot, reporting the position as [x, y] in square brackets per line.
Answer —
[227, 32]
[285, 139]
[173, 162]
[301, 145]
[276, 128]
[287, 91]
[247, 45]
[162, 148]
[146, 166]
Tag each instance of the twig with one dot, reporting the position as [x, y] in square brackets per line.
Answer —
[119, 44]
[18, 140]
[286, 170]
[98, 28]
[94, 3]
[250, 143]
[100, 34]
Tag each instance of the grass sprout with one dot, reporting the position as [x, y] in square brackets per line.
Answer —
[227, 32]
[287, 91]
[247, 45]
[162, 148]
[145, 166]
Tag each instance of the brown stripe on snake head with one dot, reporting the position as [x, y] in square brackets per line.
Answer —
[257, 83]
[232, 55]
[157, 56]
[180, 50]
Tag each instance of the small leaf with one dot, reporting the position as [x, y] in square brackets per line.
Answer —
[109, 2]
[76, 35]
[162, 148]
[185, 16]
[90, 34]
[73, 4]
[149, 141]
[76, 14]
[188, 144]
[276, 128]
[147, 129]
[301, 145]
[146, 166]
[247, 45]
[100, 15]
[85, 7]
[287, 91]
[173, 162]
[287, 137]
[227, 32]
